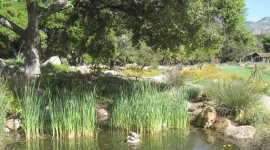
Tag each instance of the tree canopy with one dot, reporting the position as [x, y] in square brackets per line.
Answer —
[176, 27]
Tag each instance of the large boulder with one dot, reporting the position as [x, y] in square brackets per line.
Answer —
[194, 115]
[225, 127]
[240, 132]
[102, 114]
[13, 124]
[2, 63]
[110, 73]
[82, 69]
[54, 60]
[206, 118]
[194, 106]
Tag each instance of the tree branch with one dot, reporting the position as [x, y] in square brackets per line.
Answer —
[12, 26]
[53, 8]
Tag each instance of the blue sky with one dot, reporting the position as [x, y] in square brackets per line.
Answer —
[257, 9]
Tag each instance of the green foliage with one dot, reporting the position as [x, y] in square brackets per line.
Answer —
[145, 56]
[87, 58]
[235, 51]
[235, 96]
[148, 109]
[262, 115]
[193, 92]
[266, 43]
[15, 63]
[50, 68]
[16, 12]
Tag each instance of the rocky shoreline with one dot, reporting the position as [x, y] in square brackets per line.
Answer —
[204, 115]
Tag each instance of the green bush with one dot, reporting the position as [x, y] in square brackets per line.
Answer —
[174, 77]
[15, 63]
[235, 96]
[193, 92]
[87, 58]
[50, 68]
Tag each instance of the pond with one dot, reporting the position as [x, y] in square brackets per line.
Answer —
[193, 139]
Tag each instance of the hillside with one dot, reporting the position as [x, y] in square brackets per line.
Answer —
[260, 27]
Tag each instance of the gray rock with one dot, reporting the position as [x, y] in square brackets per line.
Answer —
[102, 114]
[13, 124]
[195, 106]
[194, 115]
[54, 60]
[225, 127]
[6, 130]
[2, 63]
[82, 69]
[240, 132]
[206, 118]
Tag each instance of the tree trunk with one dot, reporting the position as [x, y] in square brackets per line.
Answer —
[31, 33]
[32, 64]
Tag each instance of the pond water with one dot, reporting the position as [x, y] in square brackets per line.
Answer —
[194, 139]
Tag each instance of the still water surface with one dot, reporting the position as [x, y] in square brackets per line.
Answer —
[115, 140]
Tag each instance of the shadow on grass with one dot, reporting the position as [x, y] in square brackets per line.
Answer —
[108, 89]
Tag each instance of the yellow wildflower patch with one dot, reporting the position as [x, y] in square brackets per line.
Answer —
[142, 73]
[207, 72]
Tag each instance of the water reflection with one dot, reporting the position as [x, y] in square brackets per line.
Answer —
[108, 140]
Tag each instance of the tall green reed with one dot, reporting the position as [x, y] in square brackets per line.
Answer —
[4, 102]
[65, 113]
[72, 113]
[147, 108]
[33, 111]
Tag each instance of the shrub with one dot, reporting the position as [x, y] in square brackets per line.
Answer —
[235, 96]
[15, 63]
[175, 78]
[50, 68]
[193, 92]
[87, 58]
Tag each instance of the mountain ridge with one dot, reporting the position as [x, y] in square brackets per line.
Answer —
[260, 27]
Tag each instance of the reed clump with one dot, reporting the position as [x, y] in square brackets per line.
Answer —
[72, 113]
[68, 113]
[148, 109]
[236, 97]
[5, 98]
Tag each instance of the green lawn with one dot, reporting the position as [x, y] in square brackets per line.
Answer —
[243, 72]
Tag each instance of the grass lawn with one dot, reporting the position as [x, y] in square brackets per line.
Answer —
[244, 73]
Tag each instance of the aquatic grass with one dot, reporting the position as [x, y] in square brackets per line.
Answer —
[4, 103]
[148, 109]
[32, 111]
[72, 113]
[65, 113]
